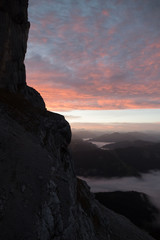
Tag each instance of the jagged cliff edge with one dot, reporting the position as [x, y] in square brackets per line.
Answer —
[40, 196]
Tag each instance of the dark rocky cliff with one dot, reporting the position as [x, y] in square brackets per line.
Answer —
[14, 27]
[40, 197]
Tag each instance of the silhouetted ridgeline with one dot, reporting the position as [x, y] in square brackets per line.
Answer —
[40, 197]
[129, 136]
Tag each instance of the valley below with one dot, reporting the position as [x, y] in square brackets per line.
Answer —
[124, 174]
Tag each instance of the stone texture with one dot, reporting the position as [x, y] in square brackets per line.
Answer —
[40, 196]
[14, 28]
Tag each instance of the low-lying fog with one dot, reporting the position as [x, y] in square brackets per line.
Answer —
[149, 183]
[101, 144]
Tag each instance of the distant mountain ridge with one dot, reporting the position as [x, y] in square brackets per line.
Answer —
[85, 134]
[129, 136]
[125, 144]
[130, 161]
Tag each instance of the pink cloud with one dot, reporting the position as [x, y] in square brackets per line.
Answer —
[103, 57]
[94, 88]
[106, 13]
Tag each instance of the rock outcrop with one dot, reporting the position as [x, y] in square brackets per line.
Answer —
[40, 196]
[14, 27]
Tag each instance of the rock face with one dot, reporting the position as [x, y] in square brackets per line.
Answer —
[40, 196]
[14, 27]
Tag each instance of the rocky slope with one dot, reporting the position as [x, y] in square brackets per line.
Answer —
[14, 27]
[40, 197]
[136, 206]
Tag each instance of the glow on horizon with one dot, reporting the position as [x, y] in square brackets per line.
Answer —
[111, 116]
[115, 120]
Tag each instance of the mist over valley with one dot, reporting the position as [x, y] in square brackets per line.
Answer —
[123, 170]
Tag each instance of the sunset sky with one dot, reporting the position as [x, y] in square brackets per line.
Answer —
[97, 61]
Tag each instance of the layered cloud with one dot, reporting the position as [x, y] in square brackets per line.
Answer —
[95, 54]
[116, 127]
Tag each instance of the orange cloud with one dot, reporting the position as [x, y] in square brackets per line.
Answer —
[58, 99]
[96, 92]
